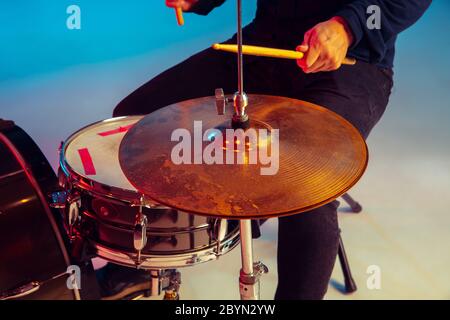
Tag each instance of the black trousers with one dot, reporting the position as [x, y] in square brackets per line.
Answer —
[307, 242]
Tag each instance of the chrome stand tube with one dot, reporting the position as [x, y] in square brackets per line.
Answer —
[240, 100]
[155, 283]
[246, 246]
[249, 285]
[239, 45]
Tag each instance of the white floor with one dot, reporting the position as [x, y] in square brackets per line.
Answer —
[404, 228]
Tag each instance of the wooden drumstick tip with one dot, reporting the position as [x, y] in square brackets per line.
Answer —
[179, 14]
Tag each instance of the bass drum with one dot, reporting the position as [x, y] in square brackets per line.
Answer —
[120, 224]
[33, 248]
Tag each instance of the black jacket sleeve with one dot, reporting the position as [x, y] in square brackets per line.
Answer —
[396, 16]
[204, 7]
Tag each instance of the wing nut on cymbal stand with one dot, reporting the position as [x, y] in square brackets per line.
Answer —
[221, 101]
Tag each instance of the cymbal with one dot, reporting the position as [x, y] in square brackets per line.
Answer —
[320, 156]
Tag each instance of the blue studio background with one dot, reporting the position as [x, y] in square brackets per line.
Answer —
[35, 38]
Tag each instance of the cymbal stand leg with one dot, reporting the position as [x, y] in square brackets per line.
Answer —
[354, 205]
[250, 274]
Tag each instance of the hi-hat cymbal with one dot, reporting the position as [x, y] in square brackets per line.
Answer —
[321, 156]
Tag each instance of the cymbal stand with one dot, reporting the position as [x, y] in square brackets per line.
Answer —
[249, 285]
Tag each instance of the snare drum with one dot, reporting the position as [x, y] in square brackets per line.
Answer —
[122, 226]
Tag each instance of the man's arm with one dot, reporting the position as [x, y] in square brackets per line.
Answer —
[396, 16]
[202, 7]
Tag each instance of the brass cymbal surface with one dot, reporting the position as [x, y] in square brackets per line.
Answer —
[320, 156]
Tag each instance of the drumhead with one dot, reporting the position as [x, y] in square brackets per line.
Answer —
[93, 152]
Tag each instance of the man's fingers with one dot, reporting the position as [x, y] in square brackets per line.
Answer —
[315, 49]
[324, 63]
[309, 59]
[305, 44]
[319, 65]
[171, 3]
[312, 56]
[332, 62]
[174, 3]
[302, 48]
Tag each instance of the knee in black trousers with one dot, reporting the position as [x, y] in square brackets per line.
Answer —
[307, 248]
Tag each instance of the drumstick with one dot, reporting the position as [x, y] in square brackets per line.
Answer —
[179, 13]
[269, 52]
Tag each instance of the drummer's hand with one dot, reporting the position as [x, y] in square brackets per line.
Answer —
[185, 5]
[325, 46]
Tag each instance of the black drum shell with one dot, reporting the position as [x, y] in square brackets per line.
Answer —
[32, 246]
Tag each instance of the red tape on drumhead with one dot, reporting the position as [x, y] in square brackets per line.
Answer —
[115, 131]
[86, 160]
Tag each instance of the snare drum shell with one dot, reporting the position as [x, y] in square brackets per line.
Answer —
[168, 231]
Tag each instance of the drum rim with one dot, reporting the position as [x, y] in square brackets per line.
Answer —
[94, 186]
[167, 261]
